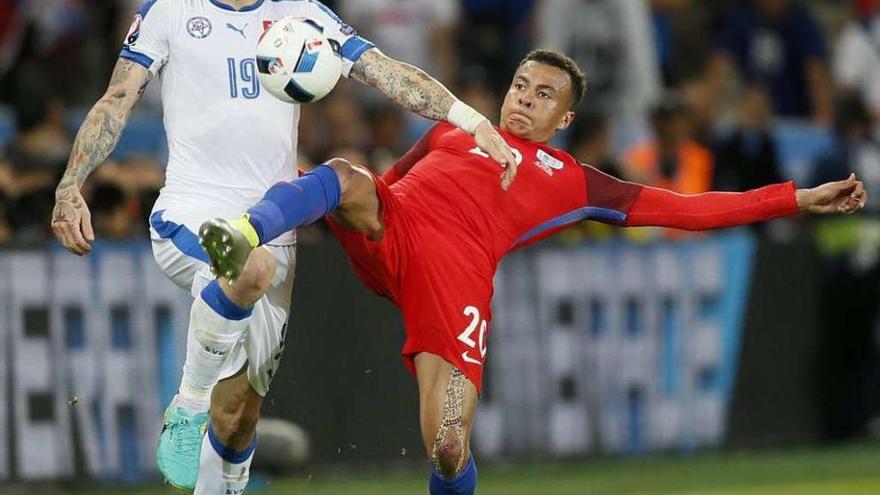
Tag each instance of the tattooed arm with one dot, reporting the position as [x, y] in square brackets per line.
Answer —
[406, 85]
[97, 136]
[415, 90]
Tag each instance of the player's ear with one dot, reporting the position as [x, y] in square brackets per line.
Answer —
[566, 120]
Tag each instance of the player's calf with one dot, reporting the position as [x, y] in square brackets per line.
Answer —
[447, 409]
[231, 439]
[454, 471]
[448, 450]
[235, 411]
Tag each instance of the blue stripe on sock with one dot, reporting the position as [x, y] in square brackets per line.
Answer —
[227, 454]
[266, 217]
[463, 484]
[288, 205]
[214, 296]
[330, 184]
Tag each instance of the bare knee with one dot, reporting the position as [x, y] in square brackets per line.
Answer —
[359, 205]
[254, 281]
[344, 171]
[448, 455]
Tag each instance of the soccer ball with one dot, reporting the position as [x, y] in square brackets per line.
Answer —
[295, 61]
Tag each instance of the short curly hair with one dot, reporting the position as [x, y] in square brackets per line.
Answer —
[564, 62]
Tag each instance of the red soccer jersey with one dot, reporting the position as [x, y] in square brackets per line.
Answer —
[449, 175]
[448, 223]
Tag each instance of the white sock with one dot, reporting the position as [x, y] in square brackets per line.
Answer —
[215, 325]
[219, 476]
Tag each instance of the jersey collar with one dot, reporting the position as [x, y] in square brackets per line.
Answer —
[246, 8]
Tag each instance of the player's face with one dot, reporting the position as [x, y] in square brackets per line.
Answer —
[537, 103]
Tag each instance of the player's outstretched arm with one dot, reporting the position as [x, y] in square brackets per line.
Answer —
[635, 205]
[418, 92]
[715, 210]
[97, 136]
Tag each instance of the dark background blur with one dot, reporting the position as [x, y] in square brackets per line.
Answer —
[773, 90]
[688, 95]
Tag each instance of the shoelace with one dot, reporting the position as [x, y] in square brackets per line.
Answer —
[186, 440]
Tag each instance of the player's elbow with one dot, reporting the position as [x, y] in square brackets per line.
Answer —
[117, 102]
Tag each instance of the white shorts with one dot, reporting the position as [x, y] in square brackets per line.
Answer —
[178, 253]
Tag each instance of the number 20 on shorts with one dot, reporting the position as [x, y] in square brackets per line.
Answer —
[467, 336]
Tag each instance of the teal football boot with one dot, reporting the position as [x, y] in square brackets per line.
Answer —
[180, 446]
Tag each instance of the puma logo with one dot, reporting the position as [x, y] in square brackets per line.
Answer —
[237, 30]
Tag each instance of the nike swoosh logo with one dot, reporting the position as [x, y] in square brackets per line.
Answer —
[468, 359]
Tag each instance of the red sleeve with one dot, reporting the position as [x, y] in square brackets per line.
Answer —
[609, 193]
[635, 205]
[416, 153]
[711, 210]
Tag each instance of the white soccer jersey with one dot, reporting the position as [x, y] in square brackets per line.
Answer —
[228, 141]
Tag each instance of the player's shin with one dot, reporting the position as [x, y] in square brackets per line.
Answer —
[216, 325]
[465, 483]
[288, 205]
[223, 470]
[454, 471]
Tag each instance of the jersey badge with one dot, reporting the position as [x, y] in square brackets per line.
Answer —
[198, 27]
[548, 163]
[135, 30]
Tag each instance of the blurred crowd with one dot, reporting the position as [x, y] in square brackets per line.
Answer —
[684, 94]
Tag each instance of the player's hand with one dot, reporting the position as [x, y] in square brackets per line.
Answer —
[491, 142]
[844, 196]
[71, 221]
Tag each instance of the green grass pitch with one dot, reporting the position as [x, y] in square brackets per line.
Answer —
[852, 470]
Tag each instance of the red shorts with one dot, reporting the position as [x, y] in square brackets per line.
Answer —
[443, 288]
